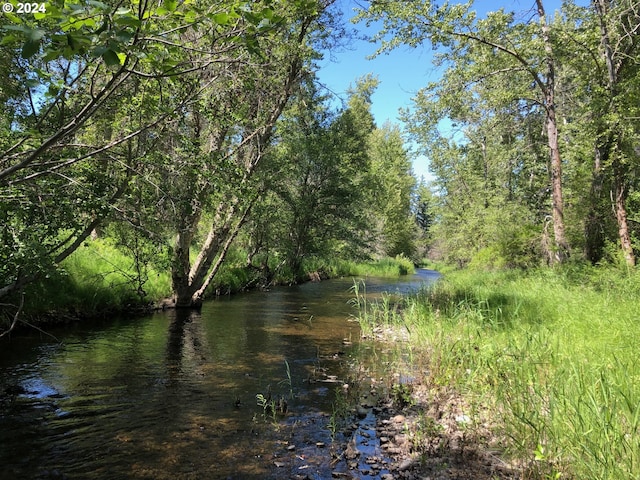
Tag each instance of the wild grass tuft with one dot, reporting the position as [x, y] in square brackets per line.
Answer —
[384, 267]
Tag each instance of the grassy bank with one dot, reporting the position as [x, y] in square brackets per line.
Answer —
[101, 278]
[384, 267]
[549, 358]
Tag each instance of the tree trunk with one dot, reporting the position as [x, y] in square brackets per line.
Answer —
[561, 245]
[557, 200]
[181, 284]
[620, 199]
[593, 228]
[614, 143]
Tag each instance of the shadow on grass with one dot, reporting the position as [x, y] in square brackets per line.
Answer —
[499, 310]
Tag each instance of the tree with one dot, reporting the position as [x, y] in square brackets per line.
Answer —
[619, 24]
[229, 134]
[317, 174]
[392, 187]
[144, 106]
[493, 47]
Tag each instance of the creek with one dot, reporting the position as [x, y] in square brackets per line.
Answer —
[174, 395]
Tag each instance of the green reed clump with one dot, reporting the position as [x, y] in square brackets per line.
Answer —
[379, 311]
[553, 352]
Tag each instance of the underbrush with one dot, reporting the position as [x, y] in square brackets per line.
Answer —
[552, 354]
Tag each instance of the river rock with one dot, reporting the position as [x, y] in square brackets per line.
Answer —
[399, 419]
[361, 411]
[406, 464]
[400, 439]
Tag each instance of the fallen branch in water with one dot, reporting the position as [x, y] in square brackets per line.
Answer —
[15, 317]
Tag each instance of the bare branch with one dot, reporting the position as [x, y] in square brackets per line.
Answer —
[15, 317]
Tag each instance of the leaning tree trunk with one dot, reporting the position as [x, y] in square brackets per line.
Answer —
[190, 281]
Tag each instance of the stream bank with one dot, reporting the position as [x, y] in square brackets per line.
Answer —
[402, 426]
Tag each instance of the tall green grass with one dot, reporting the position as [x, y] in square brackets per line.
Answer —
[384, 267]
[552, 353]
[102, 277]
[98, 277]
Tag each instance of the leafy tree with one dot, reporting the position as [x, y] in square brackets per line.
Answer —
[614, 105]
[391, 186]
[521, 54]
[221, 141]
[317, 175]
[94, 88]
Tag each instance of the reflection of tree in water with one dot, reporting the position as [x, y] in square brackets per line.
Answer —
[186, 346]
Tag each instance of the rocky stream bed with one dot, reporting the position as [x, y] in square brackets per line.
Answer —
[415, 431]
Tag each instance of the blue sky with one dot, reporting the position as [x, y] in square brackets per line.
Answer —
[401, 72]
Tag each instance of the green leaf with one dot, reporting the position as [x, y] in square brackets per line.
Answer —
[111, 58]
[99, 5]
[30, 48]
[124, 36]
[7, 39]
[99, 51]
[191, 16]
[12, 18]
[128, 20]
[170, 5]
[77, 42]
[53, 90]
[50, 54]
[222, 18]
[17, 28]
[90, 22]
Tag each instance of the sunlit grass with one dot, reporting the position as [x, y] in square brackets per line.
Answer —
[98, 277]
[554, 355]
[384, 267]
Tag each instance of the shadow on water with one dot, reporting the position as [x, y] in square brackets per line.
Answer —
[173, 395]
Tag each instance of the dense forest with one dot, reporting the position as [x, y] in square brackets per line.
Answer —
[195, 136]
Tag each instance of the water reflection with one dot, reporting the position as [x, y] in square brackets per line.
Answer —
[173, 395]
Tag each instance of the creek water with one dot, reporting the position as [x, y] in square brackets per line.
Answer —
[174, 395]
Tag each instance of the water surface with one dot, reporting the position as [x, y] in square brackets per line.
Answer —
[173, 395]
